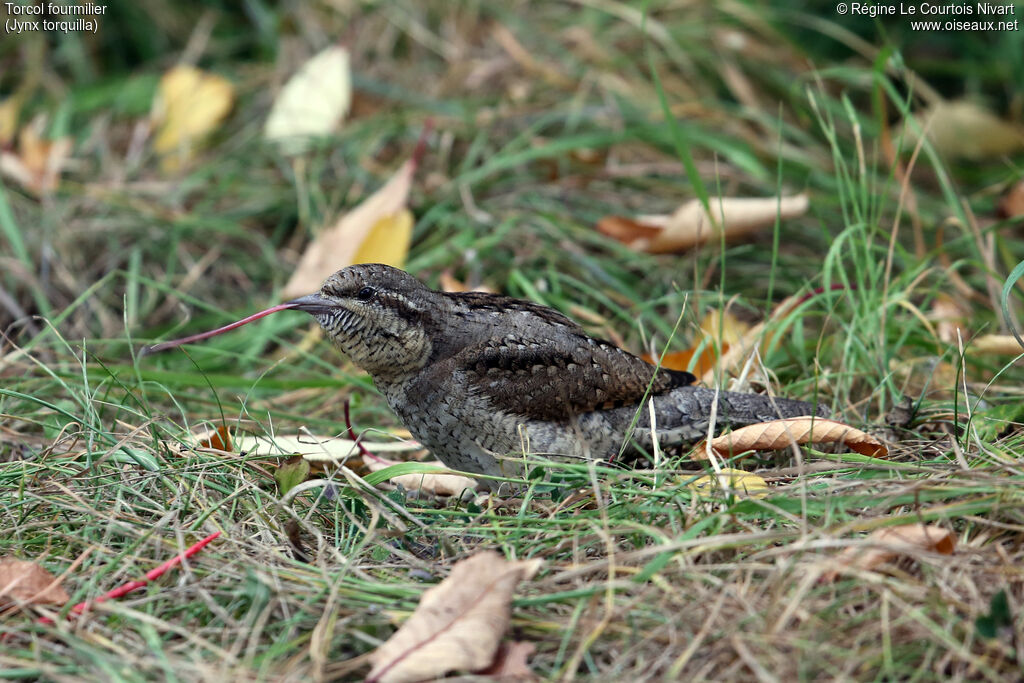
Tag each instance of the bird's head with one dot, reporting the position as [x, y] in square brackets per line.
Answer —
[376, 315]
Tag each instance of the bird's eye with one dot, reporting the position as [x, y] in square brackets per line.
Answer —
[366, 293]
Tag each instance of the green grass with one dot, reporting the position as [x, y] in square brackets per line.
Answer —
[642, 578]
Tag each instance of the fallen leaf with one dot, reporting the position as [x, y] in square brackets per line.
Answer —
[959, 129]
[25, 582]
[442, 482]
[313, 101]
[343, 243]
[511, 662]
[757, 336]
[189, 105]
[36, 164]
[901, 540]
[458, 624]
[1010, 206]
[780, 434]
[627, 230]
[291, 473]
[754, 486]
[995, 344]
[691, 225]
[718, 333]
[219, 438]
[310, 446]
[681, 360]
[388, 240]
[317, 448]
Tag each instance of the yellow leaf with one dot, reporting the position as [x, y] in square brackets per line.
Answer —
[732, 328]
[735, 480]
[339, 245]
[388, 240]
[312, 102]
[189, 105]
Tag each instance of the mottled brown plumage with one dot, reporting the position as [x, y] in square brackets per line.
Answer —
[477, 377]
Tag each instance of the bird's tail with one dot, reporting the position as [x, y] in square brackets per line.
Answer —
[683, 415]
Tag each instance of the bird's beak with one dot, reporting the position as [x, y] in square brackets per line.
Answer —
[311, 303]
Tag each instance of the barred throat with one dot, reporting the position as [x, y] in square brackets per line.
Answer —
[385, 348]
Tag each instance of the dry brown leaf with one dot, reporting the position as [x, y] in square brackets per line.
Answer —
[1012, 203]
[963, 130]
[444, 482]
[907, 539]
[627, 230]
[779, 434]
[219, 438]
[312, 102]
[511, 662]
[458, 623]
[23, 581]
[37, 163]
[736, 353]
[189, 105]
[691, 225]
[996, 345]
[338, 246]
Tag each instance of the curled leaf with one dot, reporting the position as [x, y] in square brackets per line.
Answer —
[894, 541]
[458, 624]
[692, 225]
[779, 434]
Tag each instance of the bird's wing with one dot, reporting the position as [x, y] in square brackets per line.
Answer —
[557, 380]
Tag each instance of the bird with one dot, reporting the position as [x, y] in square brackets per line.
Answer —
[483, 379]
